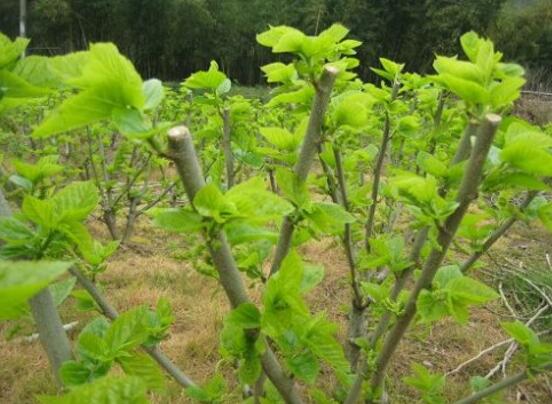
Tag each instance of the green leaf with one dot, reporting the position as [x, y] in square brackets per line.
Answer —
[105, 390]
[127, 331]
[10, 51]
[353, 109]
[21, 182]
[545, 215]
[76, 201]
[478, 383]
[45, 167]
[40, 212]
[12, 86]
[470, 44]
[245, 316]
[292, 41]
[109, 83]
[329, 218]
[430, 385]
[255, 203]
[92, 346]
[272, 36]
[83, 109]
[107, 68]
[446, 274]
[282, 300]
[67, 67]
[320, 339]
[143, 366]
[279, 72]
[210, 202]
[74, 373]
[507, 91]
[224, 87]
[468, 91]
[520, 332]
[177, 220]
[281, 138]
[312, 276]
[21, 280]
[431, 165]
[131, 122]
[335, 33]
[528, 156]
[431, 306]
[36, 70]
[211, 392]
[210, 79]
[292, 188]
[62, 289]
[459, 68]
[153, 93]
[470, 291]
[304, 366]
[14, 230]
[391, 67]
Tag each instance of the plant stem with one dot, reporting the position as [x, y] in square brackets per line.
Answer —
[503, 384]
[227, 148]
[378, 171]
[52, 335]
[400, 283]
[466, 194]
[182, 152]
[357, 315]
[4, 206]
[110, 312]
[464, 146]
[496, 234]
[330, 180]
[386, 318]
[313, 138]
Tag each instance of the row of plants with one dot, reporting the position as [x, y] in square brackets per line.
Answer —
[416, 177]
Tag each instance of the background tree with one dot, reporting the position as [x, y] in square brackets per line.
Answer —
[171, 39]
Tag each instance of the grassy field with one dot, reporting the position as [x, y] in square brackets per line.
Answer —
[154, 265]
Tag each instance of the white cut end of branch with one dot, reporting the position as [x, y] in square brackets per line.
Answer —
[179, 132]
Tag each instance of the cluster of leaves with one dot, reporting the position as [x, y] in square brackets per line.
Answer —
[304, 339]
[101, 344]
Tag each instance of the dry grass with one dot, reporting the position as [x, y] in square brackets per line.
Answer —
[145, 272]
[536, 109]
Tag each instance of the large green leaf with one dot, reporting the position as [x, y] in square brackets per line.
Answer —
[76, 201]
[13, 86]
[127, 331]
[10, 51]
[209, 80]
[21, 280]
[177, 220]
[109, 83]
[529, 156]
[210, 202]
[329, 218]
[83, 109]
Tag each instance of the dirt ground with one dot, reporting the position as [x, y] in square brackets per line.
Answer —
[150, 269]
